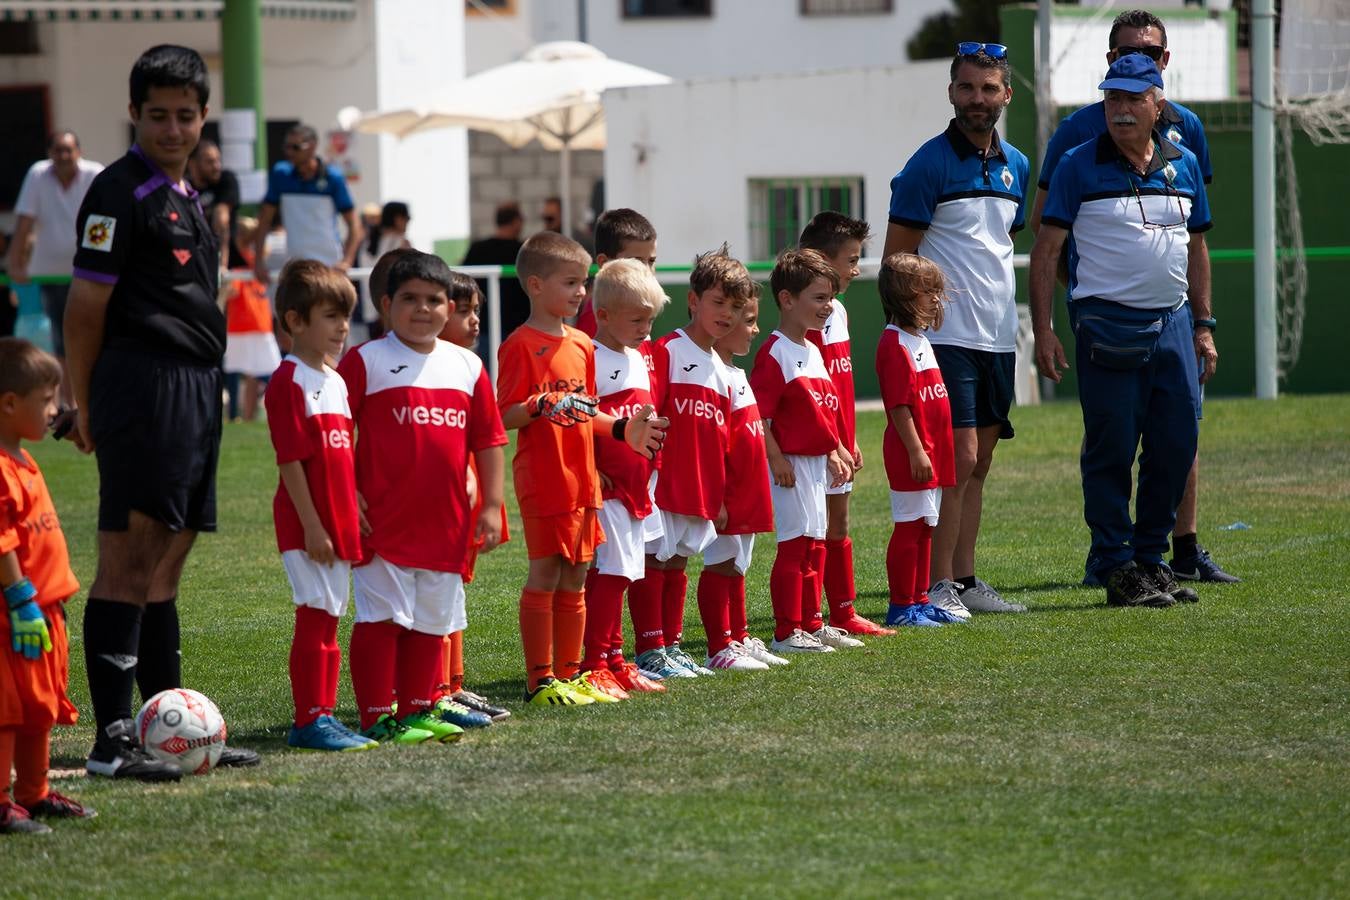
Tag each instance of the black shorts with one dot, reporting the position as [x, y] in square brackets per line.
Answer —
[979, 386]
[156, 428]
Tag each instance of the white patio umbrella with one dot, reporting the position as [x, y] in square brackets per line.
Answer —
[551, 93]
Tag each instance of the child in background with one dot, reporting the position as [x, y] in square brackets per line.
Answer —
[917, 447]
[619, 234]
[250, 349]
[627, 300]
[37, 581]
[721, 586]
[421, 406]
[840, 240]
[315, 510]
[805, 453]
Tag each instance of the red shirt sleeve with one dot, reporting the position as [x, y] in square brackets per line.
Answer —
[352, 368]
[660, 372]
[766, 380]
[485, 429]
[286, 418]
[895, 371]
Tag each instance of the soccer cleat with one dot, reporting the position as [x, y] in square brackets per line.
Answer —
[630, 678]
[388, 730]
[479, 703]
[554, 692]
[327, 734]
[939, 615]
[1201, 567]
[1127, 585]
[983, 598]
[1163, 577]
[59, 806]
[755, 648]
[735, 658]
[945, 596]
[856, 624]
[837, 638]
[799, 642]
[116, 754]
[603, 680]
[442, 732]
[237, 758]
[680, 658]
[14, 819]
[581, 687]
[460, 715]
[656, 665]
[912, 615]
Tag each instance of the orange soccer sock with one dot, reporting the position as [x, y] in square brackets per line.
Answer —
[32, 754]
[536, 635]
[454, 661]
[569, 631]
[7, 737]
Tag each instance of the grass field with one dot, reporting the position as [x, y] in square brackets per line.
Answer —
[1075, 750]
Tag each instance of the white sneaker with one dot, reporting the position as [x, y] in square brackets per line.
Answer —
[944, 596]
[837, 638]
[983, 598]
[733, 657]
[799, 642]
[755, 649]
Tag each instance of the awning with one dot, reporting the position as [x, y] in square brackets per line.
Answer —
[164, 10]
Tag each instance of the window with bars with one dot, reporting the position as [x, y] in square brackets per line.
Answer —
[845, 7]
[781, 207]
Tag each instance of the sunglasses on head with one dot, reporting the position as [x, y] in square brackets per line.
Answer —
[971, 48]
[1154, 53]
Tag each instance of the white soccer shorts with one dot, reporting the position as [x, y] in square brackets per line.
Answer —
[624, 551]
[737, 547]
[317, 585]
[799, 511]
[681, 536]
[845, 488]
[420, 599]
[910, 506]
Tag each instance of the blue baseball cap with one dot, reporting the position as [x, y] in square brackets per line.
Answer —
[1135, 73]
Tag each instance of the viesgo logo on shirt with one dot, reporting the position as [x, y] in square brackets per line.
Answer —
[830, 401]
[840, 365]
[431, 415]
[702, 409]
[932, 392]
[336, 439]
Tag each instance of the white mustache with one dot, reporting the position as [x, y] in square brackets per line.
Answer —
[1124, 119]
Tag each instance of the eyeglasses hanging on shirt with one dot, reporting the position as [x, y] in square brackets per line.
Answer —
[1168, 192]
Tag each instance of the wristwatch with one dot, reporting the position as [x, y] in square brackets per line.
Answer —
[1211, 323]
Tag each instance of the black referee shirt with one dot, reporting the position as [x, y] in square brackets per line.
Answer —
[141, 234]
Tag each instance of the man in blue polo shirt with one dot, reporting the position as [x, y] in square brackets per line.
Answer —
[1139, 31]
[1132, 207]
[958, 201]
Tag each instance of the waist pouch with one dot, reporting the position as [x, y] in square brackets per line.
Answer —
[1115, 336]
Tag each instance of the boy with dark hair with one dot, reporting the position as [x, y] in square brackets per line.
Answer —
[619, 234]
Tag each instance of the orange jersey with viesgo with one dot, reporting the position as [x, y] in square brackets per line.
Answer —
[29, 527]
[554, 467]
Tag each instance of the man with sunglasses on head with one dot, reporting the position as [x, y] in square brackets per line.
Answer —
[311, 196]
[1139, 31]
[958, 202]
[1131, 206]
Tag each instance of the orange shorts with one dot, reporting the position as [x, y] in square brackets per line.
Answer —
[33, 692]
[572, 535]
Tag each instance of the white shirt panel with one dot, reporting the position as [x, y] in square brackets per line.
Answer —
[969, 240]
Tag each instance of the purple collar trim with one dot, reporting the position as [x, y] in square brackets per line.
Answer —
[158, 178]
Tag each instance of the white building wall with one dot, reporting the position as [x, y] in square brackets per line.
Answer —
[683, 154]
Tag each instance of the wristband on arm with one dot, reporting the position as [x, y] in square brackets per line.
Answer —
[618, 429]
[19, 593]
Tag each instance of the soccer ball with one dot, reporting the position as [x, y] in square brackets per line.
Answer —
[183, 727]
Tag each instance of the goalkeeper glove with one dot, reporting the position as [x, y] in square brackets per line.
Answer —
[26, 624]
[562, 408]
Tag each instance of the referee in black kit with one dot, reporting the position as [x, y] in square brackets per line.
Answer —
[145, 342]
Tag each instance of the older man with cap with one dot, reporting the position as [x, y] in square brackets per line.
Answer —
[1132, 206]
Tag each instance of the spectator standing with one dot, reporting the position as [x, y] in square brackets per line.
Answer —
[501, 250]
[389, 232]
[218, 191]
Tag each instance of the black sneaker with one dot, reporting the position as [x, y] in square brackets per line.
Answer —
[14, 819]
[116, 754]
[1201, 567]
[59, 806]
[481, 704]
[237, 758]
[1161, 575]
[1127, 585]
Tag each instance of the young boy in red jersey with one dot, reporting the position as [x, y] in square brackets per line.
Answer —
[721, 586]
[546, 389]
[37, 581]
[627, 300]
[314, 510]
[421, 406]
[917, 447]
[840, 240]
[619, 234]
[801, 409]
[694, 392]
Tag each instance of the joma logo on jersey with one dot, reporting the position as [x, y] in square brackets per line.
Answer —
[336, 438]
[431, 415]
[699, 408]
[841, 365]
[829, 401]
[932, 392]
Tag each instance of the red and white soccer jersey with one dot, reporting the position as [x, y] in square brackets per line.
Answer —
[693, 390]
[834, 349]
[311, 422]
[624, 386]
[909, 376]
[418, 417]
[749, 507]
[796, 396]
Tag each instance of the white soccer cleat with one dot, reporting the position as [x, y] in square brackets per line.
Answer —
[983, 598]
[755, 649]
[799, 642]
[734, 658]
[944, 596]
[837, 638]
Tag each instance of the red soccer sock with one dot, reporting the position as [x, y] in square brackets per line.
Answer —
[922, 566]
[536, 635]
[714, 608]
[419, 663]
[332, 659]
[309, 664]
[569, 631]
[785, 585]
[740, 626]
[644, 606]
[32, 755]
[8, 736]
[453, 670]
[604, 607]
[902, 562]
[839, 587]
[812, 583]
[672, 605]
[372, 654]
[616, 661]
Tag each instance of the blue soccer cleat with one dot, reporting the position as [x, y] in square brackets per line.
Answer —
[912, 615]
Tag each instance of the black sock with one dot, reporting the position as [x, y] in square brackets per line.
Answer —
[112, 634]
[160, 664]
[1183, 545]
[966, 583]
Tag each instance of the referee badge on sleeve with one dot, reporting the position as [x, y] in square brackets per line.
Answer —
[98, 233]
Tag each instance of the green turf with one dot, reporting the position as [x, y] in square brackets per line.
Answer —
[1074, 750]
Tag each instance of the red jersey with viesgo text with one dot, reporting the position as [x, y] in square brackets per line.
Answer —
[418, 417]
[749, 505]
[834, 349]
[909, 375]
[624, 386]
[796, 396]
[311, 423]
[694, 392]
